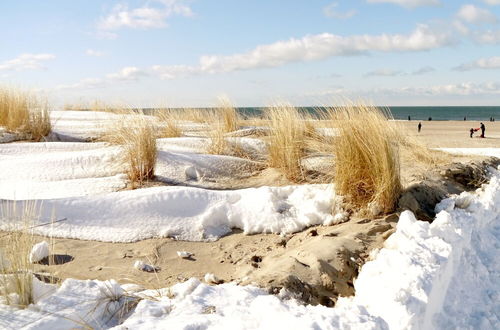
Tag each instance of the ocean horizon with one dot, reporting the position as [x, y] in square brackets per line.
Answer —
[440, 113]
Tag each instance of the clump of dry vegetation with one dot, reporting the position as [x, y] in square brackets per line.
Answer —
[221, 120]
[227, 115]
[97, 105]
[24, 113]
[136, 133]
[16, 270]
[414, 150]
[170, 119]
[367, 162]
[287, 142]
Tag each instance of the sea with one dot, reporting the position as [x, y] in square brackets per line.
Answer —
[475, 113]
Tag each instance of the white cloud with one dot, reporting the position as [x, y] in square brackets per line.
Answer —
[475, 15]
[26, 62]
[423, 70]
[146, 17]
[492, 2]
[331, 11]
[409, 3]
[384, 73]
[459, 89]
[93, 52]
[487, 37]
[310, 48]
[483, 63]
[127, 73]
[87, 83]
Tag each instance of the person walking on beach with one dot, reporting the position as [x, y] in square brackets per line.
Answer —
[419, 127]
[483, 128]
[471, 132]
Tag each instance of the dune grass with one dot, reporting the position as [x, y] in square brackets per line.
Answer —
[23, 112]
[221, 120]
[367, 161]
[16, 270]
[287, 140]
[170, 119]
[227, 115]
[137, 135]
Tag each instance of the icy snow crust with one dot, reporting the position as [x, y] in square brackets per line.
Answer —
[186, 213]
[442, 275]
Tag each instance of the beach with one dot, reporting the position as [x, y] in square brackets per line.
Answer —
[245, 225]
[453, 134]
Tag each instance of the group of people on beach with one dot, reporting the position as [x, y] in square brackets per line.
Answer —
[472, 130]
[482, 128]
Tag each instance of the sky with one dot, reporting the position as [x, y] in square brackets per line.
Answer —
[306, 52]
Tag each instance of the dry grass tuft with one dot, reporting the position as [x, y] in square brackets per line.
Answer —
[287, 141]
[24, 113]
[170, 118]
[16, 270]
[414, 150]
[228, 116]
[136, 133]
[98, 105]
[221, 120]
[367, 166]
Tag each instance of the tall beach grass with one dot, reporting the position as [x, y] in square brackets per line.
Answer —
[137, 135]
[16, 269]
[25, 113]
[367, 160]
[287, 140]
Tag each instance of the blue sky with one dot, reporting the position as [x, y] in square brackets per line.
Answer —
[307, 52]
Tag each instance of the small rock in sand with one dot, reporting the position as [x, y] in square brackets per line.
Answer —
[39, 252]
[140, 265]
[184, 254]
[212, 279]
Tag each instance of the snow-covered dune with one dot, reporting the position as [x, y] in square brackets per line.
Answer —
[442, 275]
[56, 170]
[187, 213]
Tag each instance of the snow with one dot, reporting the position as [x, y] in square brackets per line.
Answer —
[439, 275]
[56, 170]
[39, 251]
[494, 152]
[186, 213]
[184, 254]
[442, 275]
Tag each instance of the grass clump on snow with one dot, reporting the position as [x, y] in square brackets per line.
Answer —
[16, 268]
[169, 118]
[287, 141]
[137, 135]
[367, 163]
[221, 120]
[22, 112]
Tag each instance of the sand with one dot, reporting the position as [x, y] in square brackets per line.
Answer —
[453, 134]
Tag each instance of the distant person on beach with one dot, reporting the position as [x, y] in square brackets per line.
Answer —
[471, 132]
[419, 127]
[483, 128]
[430, 118]
[409, 118]
[465, 118]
